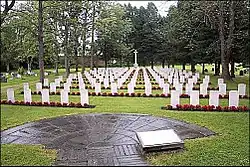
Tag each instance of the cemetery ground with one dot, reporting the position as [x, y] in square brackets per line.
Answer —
[230, 145]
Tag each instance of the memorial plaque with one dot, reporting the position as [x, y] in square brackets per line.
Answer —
[233, 98]
[10, 95]
[159, 140]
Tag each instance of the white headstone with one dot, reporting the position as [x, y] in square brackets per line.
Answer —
[39, 87]
[46, 82]
[242, 89]
[203, 89]
[45, 95]
[223, 89]
[220, 81]
[64, 96]
[57, 82]
[130, 88]
[52, 87]
[175, 98]
[179, 88]
[166, 89]
[84, 96]
[194, 97]
[10, 95]
[233, 98]
[27, 95]
[189, 88]
[214, 98]
[114, 88]
[25, 86]
[98, 88]
[148, 89]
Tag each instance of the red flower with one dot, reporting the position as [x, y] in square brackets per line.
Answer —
[132, 94]
[232, 108]
[219, 108]
[33, 103]
[71, 104]
[121, 94]
[226, 108]
[115, 94]
[162, 95]
[78, 93]
[45, 103]
[93, 93]
[27, 103]
[52, 103]
[73, 93]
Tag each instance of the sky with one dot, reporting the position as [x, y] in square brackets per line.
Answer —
[162, 6]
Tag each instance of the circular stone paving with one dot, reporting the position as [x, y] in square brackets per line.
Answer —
[97, 139]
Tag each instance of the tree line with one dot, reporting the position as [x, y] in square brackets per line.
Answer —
[193, 32]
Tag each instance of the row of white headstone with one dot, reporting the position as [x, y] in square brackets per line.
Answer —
[45, 96]
[213, 98]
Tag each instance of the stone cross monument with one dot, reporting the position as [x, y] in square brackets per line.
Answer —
[135, 52]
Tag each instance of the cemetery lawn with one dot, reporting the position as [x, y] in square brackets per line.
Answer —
[230, 145]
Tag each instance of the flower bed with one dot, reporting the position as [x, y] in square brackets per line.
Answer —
[51, 104]
[212, 108]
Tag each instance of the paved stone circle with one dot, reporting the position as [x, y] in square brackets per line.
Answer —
[97, 139]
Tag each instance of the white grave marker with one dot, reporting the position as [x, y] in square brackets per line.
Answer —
[175, 98]
[194, 97]
[233, 98]
[10, 95]
[242, 89]
[64, 96]
[27, 95]
[84, 96]
[214, 98]
[45, 95]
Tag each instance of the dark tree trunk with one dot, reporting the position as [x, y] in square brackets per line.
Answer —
[224, 56]
[232, 68]
[92, 36]
[66, 51]
[7, 7]
[193, 67]
[40, 40]
[215, 68]
[152, 64]
[203, 68]
[163, 63]
[183, 66]
[172, 65]
[76, 58]
[168, 65]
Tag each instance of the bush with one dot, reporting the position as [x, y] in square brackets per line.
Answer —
[20, 70]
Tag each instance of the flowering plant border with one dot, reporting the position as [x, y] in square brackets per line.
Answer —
[51, 104]
[212, 108]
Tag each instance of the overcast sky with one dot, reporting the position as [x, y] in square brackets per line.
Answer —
[162, 6]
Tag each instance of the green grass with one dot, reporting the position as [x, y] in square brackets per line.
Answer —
[229, 147]
[23, 155]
